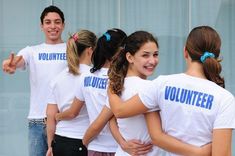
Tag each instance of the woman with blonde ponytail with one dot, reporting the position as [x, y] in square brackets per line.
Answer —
[194, 106]
[65, 137]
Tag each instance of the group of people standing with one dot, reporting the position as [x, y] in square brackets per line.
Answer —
[90, 96]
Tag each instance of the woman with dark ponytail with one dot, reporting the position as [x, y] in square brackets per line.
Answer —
[107, 46]
[91, 91]
[194, 106]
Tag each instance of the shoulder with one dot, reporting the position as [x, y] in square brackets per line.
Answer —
[102, 73]
[223, 93]
[83, 68]
[162, 78]
[26, 51]
[49, 46]
[27, 48]
[136, 82]
[31, 47]
[60, 77]
[36, 45]
[170, 78]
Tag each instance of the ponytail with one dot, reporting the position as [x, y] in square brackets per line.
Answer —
[212, 69]
[203, 45]
[76, 45]
[72, 56]
[107, 46]
[117, 72]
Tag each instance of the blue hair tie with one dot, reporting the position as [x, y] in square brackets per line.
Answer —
[206, 55]
[107, 35]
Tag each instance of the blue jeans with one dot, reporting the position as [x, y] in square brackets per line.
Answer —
[37, 139]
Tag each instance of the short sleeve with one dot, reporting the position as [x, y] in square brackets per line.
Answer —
[154, 109]
[25, 53]
[79, 87]
[150, 93]
[51, 94]
[226, 115]
[107, 102]
[107, 98]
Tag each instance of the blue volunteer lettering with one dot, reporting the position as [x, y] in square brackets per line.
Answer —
[189, 97]
[95, 82]
[51, 56]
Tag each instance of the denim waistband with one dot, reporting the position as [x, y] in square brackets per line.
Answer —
[38, 121]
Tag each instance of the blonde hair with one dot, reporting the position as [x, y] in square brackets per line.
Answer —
[76, 45]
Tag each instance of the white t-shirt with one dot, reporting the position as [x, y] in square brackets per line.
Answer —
[134, 127]
[62, 93]
[190, 107]
[93, 90]
[44, 61]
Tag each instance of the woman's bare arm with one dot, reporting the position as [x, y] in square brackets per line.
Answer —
[97, 125]
[72, 112]
[170, 143]
[222, 142]
[133, 147]
[124, 109]
[51, 110]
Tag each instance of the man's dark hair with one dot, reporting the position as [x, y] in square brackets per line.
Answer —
[49, 9]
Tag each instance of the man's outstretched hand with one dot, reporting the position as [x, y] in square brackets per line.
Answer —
[9, 65]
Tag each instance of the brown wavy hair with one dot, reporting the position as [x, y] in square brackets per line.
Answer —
[119, 65]
[200, 40]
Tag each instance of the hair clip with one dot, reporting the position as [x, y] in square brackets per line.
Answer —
[75, 37]
[206, 55]
[114, 29]
[108, 37]
[124, 46]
